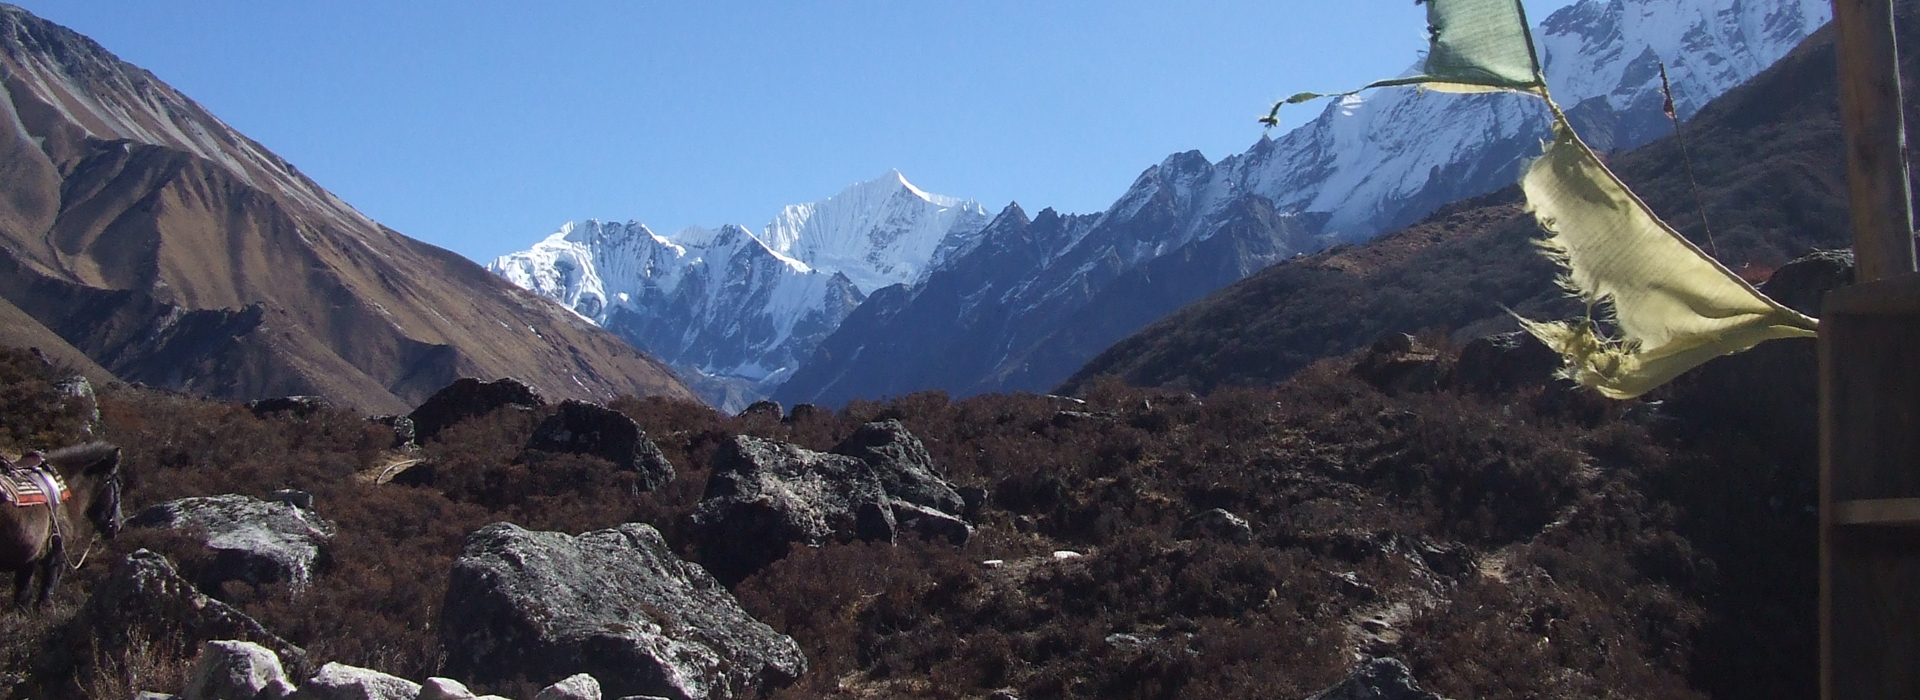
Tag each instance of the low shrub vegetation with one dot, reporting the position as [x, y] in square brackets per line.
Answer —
[1528, 545]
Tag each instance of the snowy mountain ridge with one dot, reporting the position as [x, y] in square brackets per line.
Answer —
[736, 312]
[1384, 158]
[1367, 164]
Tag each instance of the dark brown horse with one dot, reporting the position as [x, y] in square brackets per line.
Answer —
[39, 539]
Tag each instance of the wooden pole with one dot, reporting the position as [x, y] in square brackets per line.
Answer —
[1870, 390]
[1876, 136]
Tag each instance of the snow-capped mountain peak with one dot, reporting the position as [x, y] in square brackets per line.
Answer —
[881, 232]
[731, 309]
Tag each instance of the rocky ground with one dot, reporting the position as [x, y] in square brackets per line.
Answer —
[1414, 521]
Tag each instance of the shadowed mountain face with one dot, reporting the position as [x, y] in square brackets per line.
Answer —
[1771, 169]
[171, 250]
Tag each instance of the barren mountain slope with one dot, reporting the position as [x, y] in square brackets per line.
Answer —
[174, 251]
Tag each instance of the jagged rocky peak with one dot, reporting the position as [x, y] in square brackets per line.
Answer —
[880, 232]
[1376, 161]
[735, 311]
[1603, 58]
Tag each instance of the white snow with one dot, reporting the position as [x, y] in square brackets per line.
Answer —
[1367, 154]
[877, 233]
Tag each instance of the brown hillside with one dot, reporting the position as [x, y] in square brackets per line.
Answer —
[1770, 165]
[174, 251]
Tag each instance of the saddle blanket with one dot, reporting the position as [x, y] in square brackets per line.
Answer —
[33, 487]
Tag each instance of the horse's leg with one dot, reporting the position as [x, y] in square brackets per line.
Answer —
[23, 585]
[51, 566]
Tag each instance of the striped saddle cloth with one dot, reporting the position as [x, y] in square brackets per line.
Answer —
[32, 486]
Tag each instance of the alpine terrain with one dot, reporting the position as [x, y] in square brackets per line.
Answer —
[736, 312]
[142, 237]
[1037, 298]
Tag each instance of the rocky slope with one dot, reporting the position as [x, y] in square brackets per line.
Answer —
[1023, 316]
[1771, 169]
[171, 250]
[736, 312]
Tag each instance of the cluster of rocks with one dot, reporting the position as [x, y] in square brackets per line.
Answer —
[764, 497]
[575, 427]
[614, 610]
[242, 670]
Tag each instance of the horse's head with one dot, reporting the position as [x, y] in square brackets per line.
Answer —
[96, 468]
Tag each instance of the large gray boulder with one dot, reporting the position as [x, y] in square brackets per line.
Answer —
[1377, 679]
[468, 397]
[143, 601]
[252, 540]
[616, 604]
[931, 524]
[78, 392]
[905, 469]
[338, 681]
[583, 428]
[579, 686]
[765, 496]
[233, 670]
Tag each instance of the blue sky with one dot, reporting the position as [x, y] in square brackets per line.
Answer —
[481, 126]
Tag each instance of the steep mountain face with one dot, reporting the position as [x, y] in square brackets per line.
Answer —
[1367, 164]
[735, 312]
[174, 251]
[1772, 175]
[1386, 158]
[1036, 297]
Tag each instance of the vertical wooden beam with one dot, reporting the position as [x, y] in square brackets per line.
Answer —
[1870, 491]
[1870, 390]
[1875, 130]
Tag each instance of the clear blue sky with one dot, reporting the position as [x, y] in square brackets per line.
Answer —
[481, 126]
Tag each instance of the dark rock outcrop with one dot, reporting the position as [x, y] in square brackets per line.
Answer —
[930, 523]
[466, 398]
[402, 426]
[1377, 679]
[1504, 362]
[252, 540]
[144, 600]
[1397, 363]
[295, 406]
[763, 409]
[766, 496]
[1217, 524]
[905, 469]
[1802, 282]
[616, 604]
[579, 427]
[805, 412]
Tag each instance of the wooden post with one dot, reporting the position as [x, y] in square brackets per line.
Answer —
[1870, 390]
[1876, 135]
